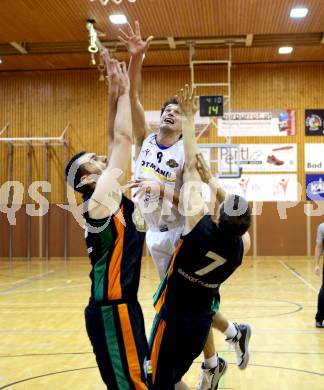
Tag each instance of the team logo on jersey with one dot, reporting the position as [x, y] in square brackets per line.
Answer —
[172, 163]
[146, 152]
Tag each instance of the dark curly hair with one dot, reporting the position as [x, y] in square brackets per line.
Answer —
[80, 171]
[172, 100]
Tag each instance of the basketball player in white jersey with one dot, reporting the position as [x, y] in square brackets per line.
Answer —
[161, 160]
[160, 163]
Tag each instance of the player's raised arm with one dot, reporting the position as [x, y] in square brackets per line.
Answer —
[113, 93]
[107, 194]
[137, 49]
[192, 201]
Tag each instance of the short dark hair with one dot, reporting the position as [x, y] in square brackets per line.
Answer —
[235, 215]
[172, 100]
[80, 171]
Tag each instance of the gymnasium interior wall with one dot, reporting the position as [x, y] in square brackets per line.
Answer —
[42, 103]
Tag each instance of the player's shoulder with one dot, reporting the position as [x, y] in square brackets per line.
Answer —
[150, 139]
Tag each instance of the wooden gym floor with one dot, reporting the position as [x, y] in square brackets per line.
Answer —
[44, 343]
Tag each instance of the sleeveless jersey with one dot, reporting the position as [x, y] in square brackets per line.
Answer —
[204, 258]
[164, 166]
[115, 252]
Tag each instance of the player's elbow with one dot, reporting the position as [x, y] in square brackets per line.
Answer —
[123, 138]
[134, 97]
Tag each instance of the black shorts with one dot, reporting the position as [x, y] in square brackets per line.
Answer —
[175, 342]
[117, 335]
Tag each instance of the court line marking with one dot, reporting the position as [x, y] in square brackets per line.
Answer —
[49, 374]
[92, 367]
[45, 290]
[225, 351]
[24, 282]
[295, 273]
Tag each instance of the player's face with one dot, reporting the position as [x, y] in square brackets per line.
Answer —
[171, 118]
[94, 164]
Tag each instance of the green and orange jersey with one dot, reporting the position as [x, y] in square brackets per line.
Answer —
[203, 259]
[115, 250]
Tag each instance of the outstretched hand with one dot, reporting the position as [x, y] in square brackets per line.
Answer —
[117, 76]
[133, 40]
[188, 102]
[144, 186]
[112, 75]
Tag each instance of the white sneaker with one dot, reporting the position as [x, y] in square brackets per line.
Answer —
[209, 377]
[241, 344]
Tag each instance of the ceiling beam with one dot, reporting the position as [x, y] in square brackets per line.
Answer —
[249, 40]
[19, 46]
[171, 42]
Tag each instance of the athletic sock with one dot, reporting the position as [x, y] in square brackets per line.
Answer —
[211, 362]
[230, 331]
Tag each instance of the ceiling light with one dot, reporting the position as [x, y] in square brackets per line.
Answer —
[285, 50]
[118, 19]
[0, 61]
[299, 12]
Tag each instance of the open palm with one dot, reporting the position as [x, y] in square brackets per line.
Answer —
[133, 40]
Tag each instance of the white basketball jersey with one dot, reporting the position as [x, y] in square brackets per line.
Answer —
[163, 166]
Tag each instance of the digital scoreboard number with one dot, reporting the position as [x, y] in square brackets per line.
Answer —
[211, 105]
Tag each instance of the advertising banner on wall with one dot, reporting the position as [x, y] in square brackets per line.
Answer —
[315, 187]
[260, 158]
[314, 122]
[264, 123]
[314, 157]
[265, 187]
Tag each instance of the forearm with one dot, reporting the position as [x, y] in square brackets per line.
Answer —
[189, 141]
[217, 192]
[221, 195]
[318, 253]
[135, 77]
[123, 120]
[138, 114]
[112, 110]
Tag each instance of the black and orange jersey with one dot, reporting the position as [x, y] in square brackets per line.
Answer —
[203, 259]
[115, 251]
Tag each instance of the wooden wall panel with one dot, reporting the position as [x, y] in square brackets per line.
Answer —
[75, 246]
[76, 242]
[281, 237]
[4, 236]
[56, 232]
[19, 234]
[42, 103]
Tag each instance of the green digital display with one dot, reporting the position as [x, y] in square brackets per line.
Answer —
[211, 105]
